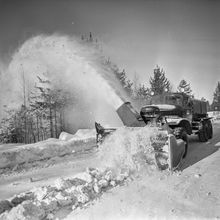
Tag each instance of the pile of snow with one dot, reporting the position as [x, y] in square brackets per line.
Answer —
[215, 115]
[81, 134]
[132, 148]
[64, 136]
[44, 202]
[44, 150]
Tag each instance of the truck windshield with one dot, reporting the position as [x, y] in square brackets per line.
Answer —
[167, 99]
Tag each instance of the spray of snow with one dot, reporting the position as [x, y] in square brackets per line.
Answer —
[131, 148]
[74, 66]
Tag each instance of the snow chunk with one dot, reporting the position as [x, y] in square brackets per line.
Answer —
[103, 183]
[18, 199]
[96, 188]
[109, 175]
[49, 204]
[26, 210]
[63, 200]
[84, 176]
[62, 184]
[81, 197]
[50, 216]
[5, 205]
[40, 193]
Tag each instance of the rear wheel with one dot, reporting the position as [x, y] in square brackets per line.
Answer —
[204, 132]
[180, 133]
[210, 133]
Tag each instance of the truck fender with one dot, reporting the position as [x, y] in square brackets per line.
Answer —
[180, 122]
[206, 119]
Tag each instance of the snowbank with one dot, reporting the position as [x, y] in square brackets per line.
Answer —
[80, 134]
[44, 150]
[215, 115]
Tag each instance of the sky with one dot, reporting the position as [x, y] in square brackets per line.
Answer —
[182, 37]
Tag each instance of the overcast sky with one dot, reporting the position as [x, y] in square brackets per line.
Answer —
[183, 37]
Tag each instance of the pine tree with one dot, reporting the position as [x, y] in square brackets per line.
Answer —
[90, 37]
[216, 95]
[143, 92]
[126, 83]
[216, 98]
[184, 87]
[159, 83]
[12, 129]
[128, 87]
[122, 77]
[135, 84]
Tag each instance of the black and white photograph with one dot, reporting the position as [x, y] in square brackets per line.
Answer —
[109, 109]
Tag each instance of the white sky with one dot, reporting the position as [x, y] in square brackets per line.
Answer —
[182, 37]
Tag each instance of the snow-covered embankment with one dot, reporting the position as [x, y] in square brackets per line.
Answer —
[67, 144]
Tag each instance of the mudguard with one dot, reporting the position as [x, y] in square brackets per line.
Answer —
[176, 121]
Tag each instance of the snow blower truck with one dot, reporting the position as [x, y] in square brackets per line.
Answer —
[176, 115]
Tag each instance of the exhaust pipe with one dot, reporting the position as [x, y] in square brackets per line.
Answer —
[129, 116]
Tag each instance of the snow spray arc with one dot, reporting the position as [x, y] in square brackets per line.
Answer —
[71, 65]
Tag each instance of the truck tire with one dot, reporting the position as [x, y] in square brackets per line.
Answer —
[204, 132]
[210, 133]
[180, 133]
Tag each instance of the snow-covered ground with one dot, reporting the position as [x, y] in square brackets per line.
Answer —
[16, 155]
[190, 193]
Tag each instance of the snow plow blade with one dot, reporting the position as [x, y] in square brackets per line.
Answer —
[176, 151]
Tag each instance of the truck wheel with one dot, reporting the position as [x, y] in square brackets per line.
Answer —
[180, 133]
[210, 133]
[204, 132]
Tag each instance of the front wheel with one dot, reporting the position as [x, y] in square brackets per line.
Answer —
[180, 133]
[204, 132]
[210, 133]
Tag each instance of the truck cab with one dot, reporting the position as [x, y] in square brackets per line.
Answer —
[180, 111]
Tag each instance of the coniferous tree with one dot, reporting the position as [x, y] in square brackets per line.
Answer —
[122, 77]
[135, 84]
[13, 129]
[143, 92]
[184, 87]
[128, 87]
[126, 83]
[90, 37]
[216, 98]
[159, 83]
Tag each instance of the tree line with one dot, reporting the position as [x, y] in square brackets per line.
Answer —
[40, 116]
